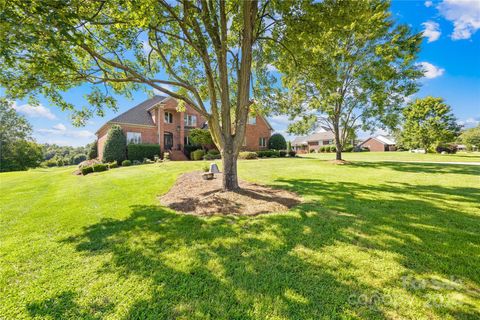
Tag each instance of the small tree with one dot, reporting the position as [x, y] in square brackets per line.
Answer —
[353, 66]
[289, 146]
[277, 142]
[115, 148]
[201, 137]
[428, 122]
[471, 138]
[93, 152]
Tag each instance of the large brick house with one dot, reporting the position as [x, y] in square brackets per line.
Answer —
[157, 121]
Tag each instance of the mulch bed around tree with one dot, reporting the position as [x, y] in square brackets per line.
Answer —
[191, 194]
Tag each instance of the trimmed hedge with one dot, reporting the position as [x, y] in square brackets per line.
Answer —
[212, 155]
[126, 163]
[99, 167]
[282, 153]
[142, 151]
[268, 154]
[87, 170]
[188, 149]
[112, 165]
[197, 155]
[247, 155]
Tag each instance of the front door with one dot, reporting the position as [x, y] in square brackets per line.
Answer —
[168, 140]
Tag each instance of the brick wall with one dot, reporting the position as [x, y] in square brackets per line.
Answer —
[254, 132]
[149, 135]
[373, 145]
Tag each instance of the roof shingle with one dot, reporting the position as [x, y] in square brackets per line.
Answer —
[139, 114]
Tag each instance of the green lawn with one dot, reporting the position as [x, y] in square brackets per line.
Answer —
[400, 156]
[372, 240]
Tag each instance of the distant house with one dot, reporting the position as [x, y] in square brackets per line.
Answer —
[158, 121]
[379, 143]
[322, 137]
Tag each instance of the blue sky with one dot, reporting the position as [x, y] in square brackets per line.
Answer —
[450, 54]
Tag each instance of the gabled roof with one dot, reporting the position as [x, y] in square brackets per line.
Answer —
[139, 114]
[317, 136]
[382, 139]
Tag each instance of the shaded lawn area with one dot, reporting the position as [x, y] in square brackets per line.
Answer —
[370, 241]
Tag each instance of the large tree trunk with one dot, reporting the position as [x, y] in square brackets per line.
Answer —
[338, 144]
[229, 159]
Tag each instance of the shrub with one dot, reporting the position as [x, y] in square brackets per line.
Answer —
[268, 154]
[348, 148]
[136, 162]
[200, 137]
[292, 153]
[142, 151]
[88, 163]
[78, 158]
[86, 170]
[166, 156]
[323, 149]
[212, 155]
[277, 142]
[92, 152]
[197, 155]
[147, 161]
[188, 149]
[99, 167]
[446, 147]
[333, 149]
[113, 165]
[50, 163]
[116, 145]
[126, 163]
[282, 153]
[247, 155]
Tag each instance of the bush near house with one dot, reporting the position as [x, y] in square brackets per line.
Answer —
[188, 149]
[197, 154]
[116, 145]
[212, 155]
[268, 154]
[247, 155]
[292, 153]
[277, 142]
[99, 167]
[142, 151]
[126, 163]
[113, 165]
[282, 153]
[86, 170]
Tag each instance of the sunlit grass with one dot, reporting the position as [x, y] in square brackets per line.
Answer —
[371, 240]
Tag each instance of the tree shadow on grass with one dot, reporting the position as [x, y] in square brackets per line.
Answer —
[294, 265]
[63, 306]
[225, 267]
[419, 167]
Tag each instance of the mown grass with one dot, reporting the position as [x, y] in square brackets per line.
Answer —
[371, 240]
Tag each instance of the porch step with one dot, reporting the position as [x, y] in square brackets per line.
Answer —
[177, 155]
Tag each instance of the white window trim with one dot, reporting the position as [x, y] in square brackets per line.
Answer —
[135, 137]
[167, 118]
[190, 120]
[262, 142]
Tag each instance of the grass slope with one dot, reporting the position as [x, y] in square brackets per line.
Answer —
[371, 241]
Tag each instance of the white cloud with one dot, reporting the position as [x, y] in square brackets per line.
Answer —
[428, 4]
[60, 127]
[61, 130]
[465, 16]
[432, 31]
[34, 111]
[431, 71]
[470, 122]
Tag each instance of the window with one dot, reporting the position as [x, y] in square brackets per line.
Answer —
[168, 117]
[252, 120]
[262, 142]
[186, 141]
[134, 137]
[190, 120]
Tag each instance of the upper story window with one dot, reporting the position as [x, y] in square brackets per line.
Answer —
[190, 120]
[168, 117]
[252, 120]
[134, 137]
[262, 142]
